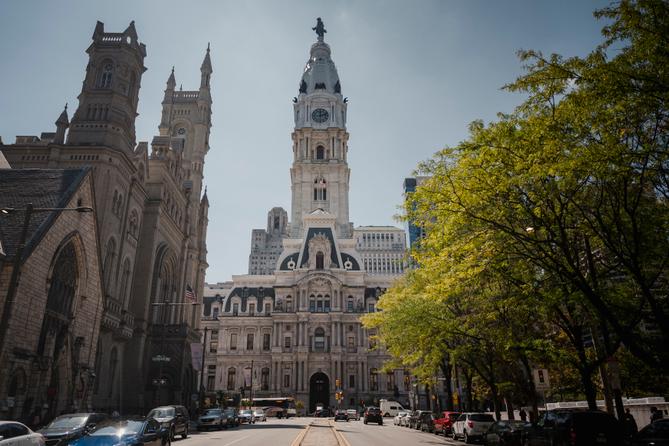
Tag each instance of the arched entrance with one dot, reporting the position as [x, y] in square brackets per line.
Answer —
[319, 391]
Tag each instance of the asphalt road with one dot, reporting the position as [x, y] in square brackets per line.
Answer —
[275, 432]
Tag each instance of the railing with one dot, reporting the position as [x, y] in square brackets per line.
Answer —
[186, 94]
[112, 38]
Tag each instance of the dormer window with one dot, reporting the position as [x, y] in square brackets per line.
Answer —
[319, 260]
[107, 74]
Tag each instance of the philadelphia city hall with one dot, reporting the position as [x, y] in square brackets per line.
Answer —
[291, 327]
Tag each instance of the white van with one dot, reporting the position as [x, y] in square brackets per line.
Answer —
[390, 408]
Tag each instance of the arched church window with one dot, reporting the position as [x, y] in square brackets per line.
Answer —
[319, 340]
[319, 260]
[107, 74]
[320, 153]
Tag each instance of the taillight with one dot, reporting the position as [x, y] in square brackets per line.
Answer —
[470, 424]
[572, 437]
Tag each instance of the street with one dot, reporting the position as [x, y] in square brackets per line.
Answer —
[294, 432]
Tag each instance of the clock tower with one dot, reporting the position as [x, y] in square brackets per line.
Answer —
[320, 173]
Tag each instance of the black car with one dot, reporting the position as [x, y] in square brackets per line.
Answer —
[414, 419]
[575, 427]
[427, 421]
[656, 433]
[66, 428]
[175, 418]
[231, 417]
[373, 415]
[505, 433]
[340, 415]
[322, 413]
[127, 432]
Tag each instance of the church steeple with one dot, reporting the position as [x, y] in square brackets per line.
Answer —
[320, 173]
[205, 70]
[62, 123]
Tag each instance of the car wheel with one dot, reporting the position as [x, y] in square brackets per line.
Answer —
[185, 434]
[454, 436]
[466, 438]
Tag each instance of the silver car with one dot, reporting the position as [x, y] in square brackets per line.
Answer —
[211, 418]
[259, 415]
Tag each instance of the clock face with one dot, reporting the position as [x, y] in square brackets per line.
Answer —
[181, 131]
[320, 115]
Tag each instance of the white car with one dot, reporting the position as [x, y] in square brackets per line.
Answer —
[353, 414]
[259, 415]
[13, 433]
[471, 425]
[397, 421]
[246, 416]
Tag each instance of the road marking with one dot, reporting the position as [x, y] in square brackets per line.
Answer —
[341, 440]
[235, 441]
[300, 436]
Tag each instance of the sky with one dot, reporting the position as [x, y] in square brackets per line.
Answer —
[416, 73]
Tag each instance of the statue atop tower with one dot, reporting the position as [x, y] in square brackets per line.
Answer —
[320, 29]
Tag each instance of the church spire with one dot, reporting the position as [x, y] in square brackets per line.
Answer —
[171, 81]
[206, 70]
[62, 123]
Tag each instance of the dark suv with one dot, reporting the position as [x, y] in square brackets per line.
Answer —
[575, 427]
[373, 415]
[427, 420]
[174, 418]
[69, 427]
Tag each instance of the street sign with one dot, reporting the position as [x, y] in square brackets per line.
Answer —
[161, 358]
[541, 381]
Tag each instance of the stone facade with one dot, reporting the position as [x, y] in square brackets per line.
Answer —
[47, 357]
[151, 213]
[297, 331]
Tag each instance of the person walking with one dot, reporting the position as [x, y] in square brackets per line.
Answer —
[523, 415]
[630, 424]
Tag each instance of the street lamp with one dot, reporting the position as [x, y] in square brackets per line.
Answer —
[16, 270]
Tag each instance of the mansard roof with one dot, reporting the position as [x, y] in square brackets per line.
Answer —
[327, 232]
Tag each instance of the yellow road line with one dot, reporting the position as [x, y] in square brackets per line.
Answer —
[300, 436]
[341, 440]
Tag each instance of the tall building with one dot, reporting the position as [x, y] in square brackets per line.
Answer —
[415, 232]
[291, 327]
[151, 214]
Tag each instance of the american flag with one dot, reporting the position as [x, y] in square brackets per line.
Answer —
[190, 294]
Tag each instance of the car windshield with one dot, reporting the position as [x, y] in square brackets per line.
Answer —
[119, 429]
[401, 414]
[247, 412]
[229, 411]
[212, 412]
[67, 422]
[481, 417]
[162, 412]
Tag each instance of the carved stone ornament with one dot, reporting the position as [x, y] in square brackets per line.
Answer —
[319, 243]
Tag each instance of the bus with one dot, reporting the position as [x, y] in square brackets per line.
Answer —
[276, 407]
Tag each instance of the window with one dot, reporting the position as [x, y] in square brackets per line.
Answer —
[320, 189]
[249, 341]
[231, 378]
[267, 309]
[390, 381]
[320, 153]
[215, 314]
[312, 303]
[319, 340]
[326, 304]
[286, 342]
[264, 379]
[233, 341]
[286, 381]
[349, 304]
[351, 343]
[235, 309]
[265, 341]
[252, 309]
[319, 260]
[211, 377]
[289, 304]
[106, 75]
[370, 308]
[351, 381]
[213, 341]
[373, 379]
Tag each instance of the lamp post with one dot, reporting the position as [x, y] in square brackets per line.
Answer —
[18, 256]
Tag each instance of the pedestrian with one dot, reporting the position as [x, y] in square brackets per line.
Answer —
[523, 415]
[655, 414]
[630, 424]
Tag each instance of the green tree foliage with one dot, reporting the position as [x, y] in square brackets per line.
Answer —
[549, 224]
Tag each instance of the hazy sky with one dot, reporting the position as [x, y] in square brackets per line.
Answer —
[416, 74]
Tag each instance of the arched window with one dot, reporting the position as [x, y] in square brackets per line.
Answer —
[319, 340]
[373, 379]
[349, 304]
[326, 303]
[289, 304]
[320, 189]
[264, 379]
[106, 74]
[231, 378]
[113, 361]
[312, 303]
[125, 283]
[320, 153]
[319, 304]
[319, 260]
[108, 265]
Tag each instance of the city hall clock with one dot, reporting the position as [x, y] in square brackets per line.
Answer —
[320, 115]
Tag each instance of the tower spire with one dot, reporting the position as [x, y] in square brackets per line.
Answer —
[171, 81]
[206, 70]
[62, 123]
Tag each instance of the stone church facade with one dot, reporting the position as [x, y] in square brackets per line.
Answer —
[291, 327]
[151, 215]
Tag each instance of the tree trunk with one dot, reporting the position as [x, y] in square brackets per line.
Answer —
[447, 371]
[588, 387]
[509, 409]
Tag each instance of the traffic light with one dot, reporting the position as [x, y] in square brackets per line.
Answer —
[338, 383]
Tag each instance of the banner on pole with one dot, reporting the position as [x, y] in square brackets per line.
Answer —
[196, 355]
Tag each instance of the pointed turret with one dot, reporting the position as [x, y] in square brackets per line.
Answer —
[205, 70]
[62, 123]
[171, 81]
[131, 31]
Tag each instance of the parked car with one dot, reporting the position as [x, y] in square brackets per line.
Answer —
[576, 428]
[322, 413]
[246, 416]
[353, 414]
[134, 431]
[404, 421]
[656, 433]
[469, 426]
[390, 408]
[13, 433]
[340, 414]
[397, 421]
[505, 433]
[259, 414]
[427, 421]
[231, 417]
[66, 428]
[173, 417]
[414, 419]
[373, 415]
[444, 424]
[211, 418]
